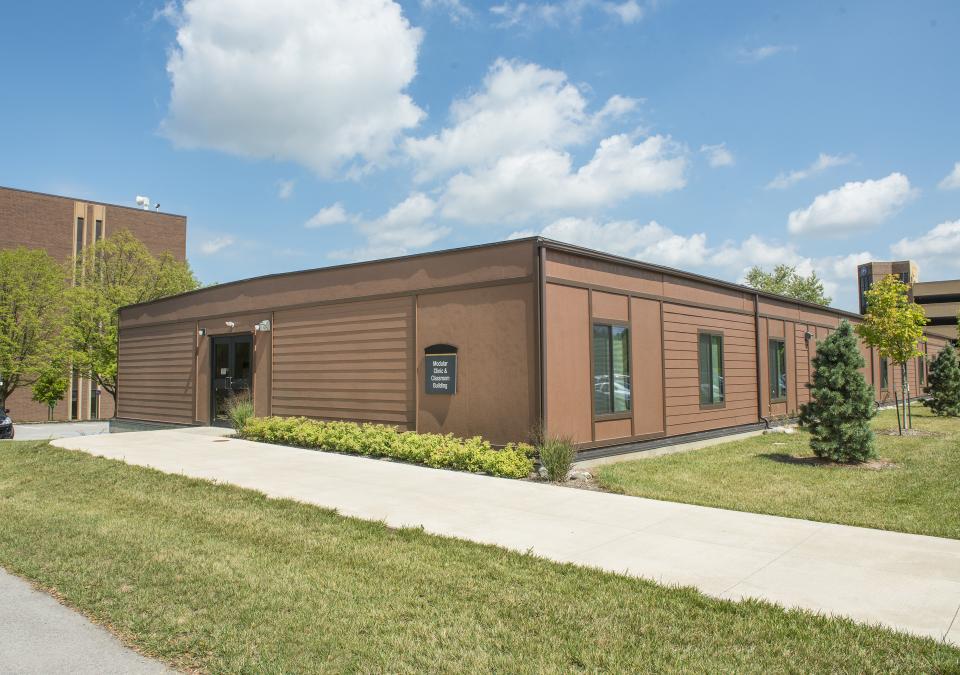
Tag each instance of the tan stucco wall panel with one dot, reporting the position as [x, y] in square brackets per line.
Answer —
[493, 330]
[569, 389]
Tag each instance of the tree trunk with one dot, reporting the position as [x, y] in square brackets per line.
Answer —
[896, 402]
[907, 412]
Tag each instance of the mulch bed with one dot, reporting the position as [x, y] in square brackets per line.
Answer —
[871, 465]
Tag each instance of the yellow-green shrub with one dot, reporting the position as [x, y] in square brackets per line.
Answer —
[376, 440]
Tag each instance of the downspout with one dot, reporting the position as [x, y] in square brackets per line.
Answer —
[756, 328]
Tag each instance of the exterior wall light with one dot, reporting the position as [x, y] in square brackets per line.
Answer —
[230, 324]
[264, 326]
[202, 332]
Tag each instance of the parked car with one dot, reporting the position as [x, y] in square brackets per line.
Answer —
[6, 424]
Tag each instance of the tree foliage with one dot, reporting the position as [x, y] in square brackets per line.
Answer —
[944, 383]
[31, 316]
[115, 272]
[841, 402]
[51, 385]
[894, 325]
[785, 280]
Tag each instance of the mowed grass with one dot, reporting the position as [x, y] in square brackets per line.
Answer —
[219, 579]
[921, 494]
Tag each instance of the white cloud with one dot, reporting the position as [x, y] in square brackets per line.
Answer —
[520, 186]
[331, 215]
[757, 54]
[952, 180]
[553, 14]
[454, 8]
[404, 227]
[853, 206]
[318, 82]
[718, 155]
[943, 241]
[823, 162]
[652, 242]
[521, 107]
[285, 188]
[216, 244]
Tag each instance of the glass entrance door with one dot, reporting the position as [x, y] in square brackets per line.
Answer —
[232, 358]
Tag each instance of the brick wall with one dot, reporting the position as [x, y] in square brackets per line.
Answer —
[37, 220]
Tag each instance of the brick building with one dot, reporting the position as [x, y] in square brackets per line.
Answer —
[64, 226]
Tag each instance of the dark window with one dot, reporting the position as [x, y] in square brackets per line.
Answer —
[884, 373]
[864, 287]
[79, 234]
[922, 370]
[94, 402]
[611, 369]
[777, 355]
[711, 369]
[75, 396]
[98, 230]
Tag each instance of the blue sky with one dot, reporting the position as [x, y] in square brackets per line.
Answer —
[301, 133]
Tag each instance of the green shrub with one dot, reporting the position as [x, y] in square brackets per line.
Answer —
[240, 409]
[376, 440]
[841, 403]
[944, 387]
[556, 456]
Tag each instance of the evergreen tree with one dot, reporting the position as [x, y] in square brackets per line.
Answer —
[841, 403]
[944, 384]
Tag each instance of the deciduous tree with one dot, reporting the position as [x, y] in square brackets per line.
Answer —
[31, 316]
[893, 325]
[785, 280]
[111, 274]
[51, 385]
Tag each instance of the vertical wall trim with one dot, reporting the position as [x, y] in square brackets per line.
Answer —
[196, 370]
[663, 370]
[541, 333]
[416, 363]
[273, 327]
[756, 329]
[633, 371]
[592, 383]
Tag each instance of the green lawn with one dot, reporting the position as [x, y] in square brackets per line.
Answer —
[215, 578]
[919, 495]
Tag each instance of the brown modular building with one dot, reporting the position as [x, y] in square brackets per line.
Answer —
[486, 340]
[64, 226]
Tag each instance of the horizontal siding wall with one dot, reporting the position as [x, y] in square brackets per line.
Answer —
[681, 326]
[156, 373]
[352, 361]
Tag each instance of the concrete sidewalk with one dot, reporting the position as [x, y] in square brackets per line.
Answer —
[903, 581]
[48, 430]
[39, 635]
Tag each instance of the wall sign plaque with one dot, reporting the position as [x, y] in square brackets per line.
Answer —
[440, 371]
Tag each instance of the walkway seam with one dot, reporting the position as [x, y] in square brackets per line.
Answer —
[952, 621]
[757, 571]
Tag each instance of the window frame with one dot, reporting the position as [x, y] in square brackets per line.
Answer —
[79, 236]
[612, 415]
[713, 405]
[786, 375]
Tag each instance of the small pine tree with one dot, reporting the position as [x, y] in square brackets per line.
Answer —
[944, 384]
[841, 403]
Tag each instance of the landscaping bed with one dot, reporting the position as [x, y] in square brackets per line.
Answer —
[214, 578]
[376, 440]
[912, 487]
